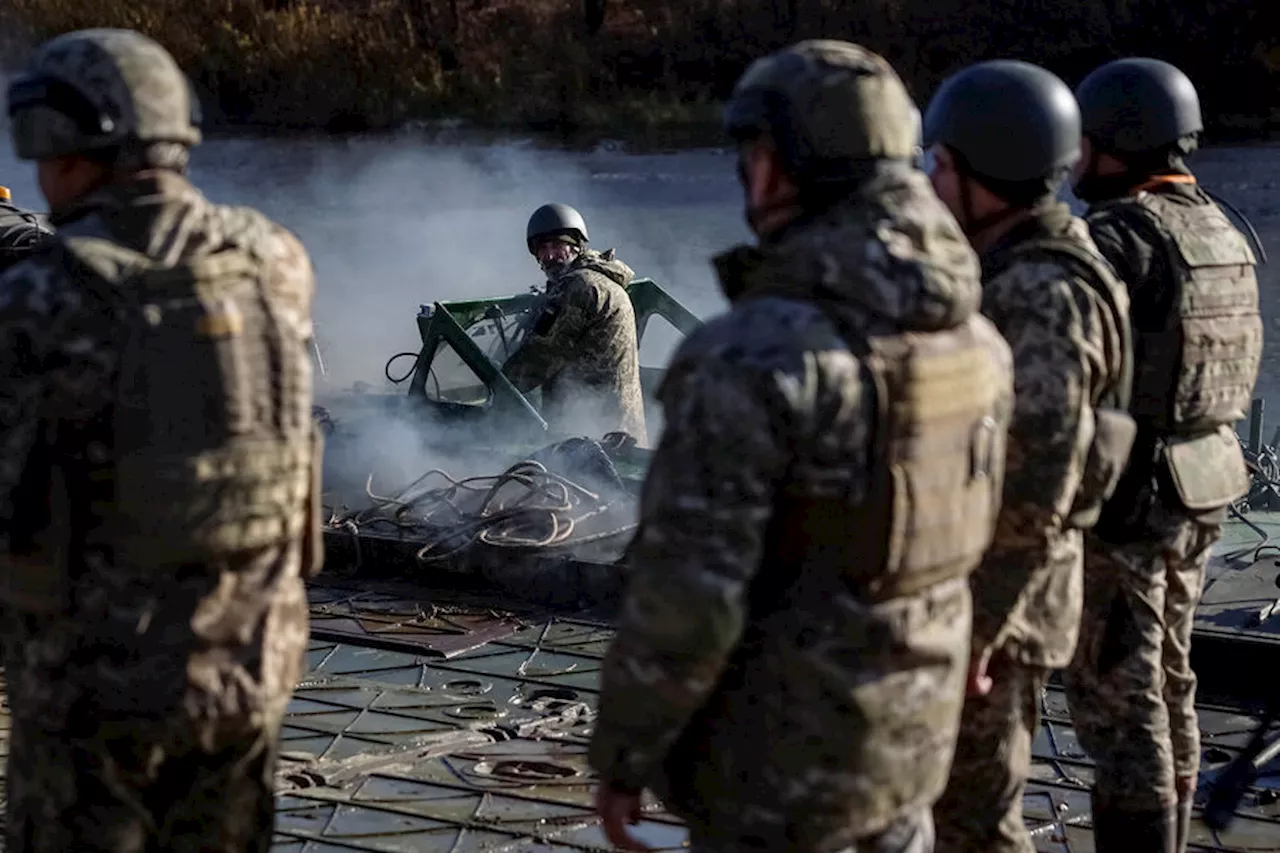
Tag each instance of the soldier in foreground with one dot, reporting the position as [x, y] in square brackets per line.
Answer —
[582, 349]
[21, 231]
[790, 660]
[1198, 342]
[158, 473]
[1005, 136]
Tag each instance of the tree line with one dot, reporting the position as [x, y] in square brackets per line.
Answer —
[566, 63]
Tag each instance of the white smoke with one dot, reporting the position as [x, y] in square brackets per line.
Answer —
[393, 223]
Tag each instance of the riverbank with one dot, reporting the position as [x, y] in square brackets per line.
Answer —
[622, 67]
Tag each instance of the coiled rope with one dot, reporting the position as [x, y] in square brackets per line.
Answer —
[526, 506]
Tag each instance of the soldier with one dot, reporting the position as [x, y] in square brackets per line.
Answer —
[1198, 344]
[1004, 136]
[582, 348]
[790, 661]
[21, 232]
[158, 473]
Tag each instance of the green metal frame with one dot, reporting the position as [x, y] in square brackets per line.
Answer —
[447, 322]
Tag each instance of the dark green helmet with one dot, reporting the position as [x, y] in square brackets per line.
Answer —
[555, 219]
[826, 105]
[1010, 121]
[1134, 105]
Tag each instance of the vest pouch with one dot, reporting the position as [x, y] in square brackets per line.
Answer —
[192, 508]
[1113, 436]
[1207, 471]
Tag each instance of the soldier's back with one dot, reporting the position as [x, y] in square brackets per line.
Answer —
[1195, 300]
[838, 711]
[600, 386]
[177, 432]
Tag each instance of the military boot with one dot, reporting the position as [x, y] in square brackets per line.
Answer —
[1123, 831]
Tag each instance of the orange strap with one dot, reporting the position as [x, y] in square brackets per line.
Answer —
[1161, 180]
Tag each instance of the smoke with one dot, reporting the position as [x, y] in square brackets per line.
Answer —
[393, 223]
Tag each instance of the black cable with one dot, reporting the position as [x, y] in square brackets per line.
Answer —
[1248, 549]
[1248, 226]
[386, 371]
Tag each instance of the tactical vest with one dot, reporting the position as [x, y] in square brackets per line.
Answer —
[215, 452]
[1197, 373]
[1114, 429]
[20, 234]
[937, 471]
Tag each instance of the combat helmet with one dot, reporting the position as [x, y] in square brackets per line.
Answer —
[828, 107]
[552, 220]
[1011, 123]
[100, 89]
[1136, 105]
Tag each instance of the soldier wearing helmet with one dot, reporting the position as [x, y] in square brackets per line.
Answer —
[1198, 344]
[21, 232]
[581, 350]
[789, 666]
[1003, 136]
[158, 472]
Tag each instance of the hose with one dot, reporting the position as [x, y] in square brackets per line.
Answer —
[1248, 226]
[386, 370]
[542, 512]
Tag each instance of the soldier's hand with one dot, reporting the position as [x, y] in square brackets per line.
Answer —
[979, 682]
[618, 809]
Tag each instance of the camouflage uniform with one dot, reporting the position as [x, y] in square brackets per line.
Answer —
[21, 232]
[778, 691]
[160, 615]
[1068, 350]
[582, 351]
[1131, 686]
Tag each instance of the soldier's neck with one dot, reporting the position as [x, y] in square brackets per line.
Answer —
[988, 236]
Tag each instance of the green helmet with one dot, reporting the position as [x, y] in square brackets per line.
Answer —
[827, 106]
[1010, 121]
[1135, 105]
[554, 220]
[99, 89]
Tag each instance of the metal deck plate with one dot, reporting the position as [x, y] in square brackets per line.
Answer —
[374, 768]
[429, 722]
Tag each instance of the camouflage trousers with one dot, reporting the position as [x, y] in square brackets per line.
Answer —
[131, 792]
[982, 806]
[1130, 686]
[912, 833]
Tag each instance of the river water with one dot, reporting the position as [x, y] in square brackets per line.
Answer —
[395, 221]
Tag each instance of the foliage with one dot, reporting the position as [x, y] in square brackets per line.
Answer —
[567, 63]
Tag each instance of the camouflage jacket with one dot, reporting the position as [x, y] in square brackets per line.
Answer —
[21, 233]
[582, 351]
[809, 734]
[218, 645]
[1028, 592]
